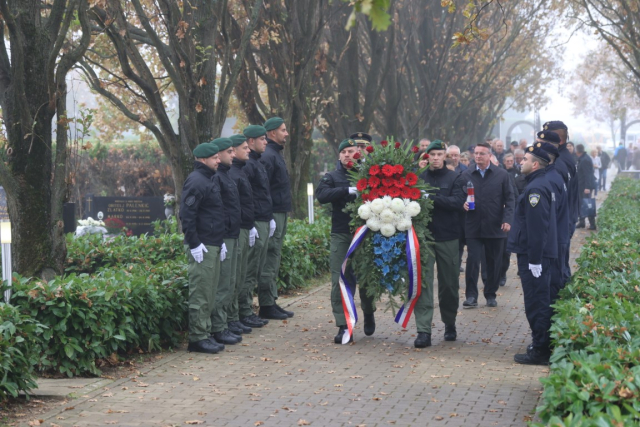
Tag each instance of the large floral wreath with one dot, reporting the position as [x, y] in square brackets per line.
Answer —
[389, 211]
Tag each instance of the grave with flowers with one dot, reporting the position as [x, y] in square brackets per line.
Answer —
[390, 216]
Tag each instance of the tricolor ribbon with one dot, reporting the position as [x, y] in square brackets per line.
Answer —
[415, 278]
[415, 282]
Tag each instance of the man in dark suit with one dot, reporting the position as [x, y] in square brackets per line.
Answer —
[586, 183]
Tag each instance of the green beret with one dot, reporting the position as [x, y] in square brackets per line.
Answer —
[222, 143]
[254, 131]
[273, 123]
[346, 144]
[436, 145]
[205, 150]
[237, 140]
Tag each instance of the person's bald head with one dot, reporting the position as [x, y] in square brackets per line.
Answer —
[453, 152]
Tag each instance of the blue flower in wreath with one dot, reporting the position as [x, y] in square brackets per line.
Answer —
[385, 269]
[387, 244]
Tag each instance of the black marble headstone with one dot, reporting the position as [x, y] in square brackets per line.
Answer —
[69, 217]
[137, 213]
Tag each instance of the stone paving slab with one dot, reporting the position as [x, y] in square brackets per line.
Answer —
[290, 373]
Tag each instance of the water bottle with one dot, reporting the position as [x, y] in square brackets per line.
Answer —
[471, 196]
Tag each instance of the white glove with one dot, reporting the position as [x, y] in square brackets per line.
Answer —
[425, 195]
[223, 252]
[198, 253]
[353, 190]
[253, 233]
[272, 227]
[536, 269]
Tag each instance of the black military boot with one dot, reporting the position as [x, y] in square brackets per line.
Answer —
[205, 346]
[533, 356]
[271, 312]
[450, 333]
[338, 338]
[423, 340]
[282, 310]
[580, 223]
[369, 324]
[234, 329]
[253, 321]
[225, 337]
[236, 324]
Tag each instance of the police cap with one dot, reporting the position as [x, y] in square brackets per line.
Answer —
[537, 150]
[361, 138]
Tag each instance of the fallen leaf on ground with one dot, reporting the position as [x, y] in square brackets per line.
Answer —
[194, 422]
[439, 418]
[302, 422]
[258, 423]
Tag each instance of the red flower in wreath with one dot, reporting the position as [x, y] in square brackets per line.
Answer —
[374, 170]
[374, 193]
[362, 184]
[399, 183]
[394, 192]
[356, 155]
[397, 145]
[349, 164]
[425, 156]
[387, 182]
[412, 178]
[384, 143]
[365, 197]
[383, 191]
[369, 149]
[388, 170]
[406, 193]
[415, 193]
[374, 182]
[415, 149]
[398, 169]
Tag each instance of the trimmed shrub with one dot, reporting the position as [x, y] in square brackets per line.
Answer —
[595, 371]
[18, 351]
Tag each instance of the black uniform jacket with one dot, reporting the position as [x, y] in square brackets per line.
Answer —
[231, 201]
[534, 227]
[566, 167]
[448, 200]
[257, 175]
[562, 204]
[246, 194]
[334, 188]
[494, 200]
[201, 208]
[586, 179]
[278, 176]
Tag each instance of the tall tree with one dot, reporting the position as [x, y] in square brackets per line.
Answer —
[33, 66]
[149, 52]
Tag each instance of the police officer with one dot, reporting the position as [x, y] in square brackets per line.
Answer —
[534, 239]
[263, 216]
[228, 252]
[448, 198]
[280, 187]
[557, 282]
[240, 309]
[363, 140]
[334, 188]
[202, 217]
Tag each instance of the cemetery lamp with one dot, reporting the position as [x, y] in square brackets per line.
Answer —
[310, 201]
[5, 240]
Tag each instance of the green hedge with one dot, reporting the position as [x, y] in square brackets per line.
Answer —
[126, 295]
[18, 354]
[595, 372]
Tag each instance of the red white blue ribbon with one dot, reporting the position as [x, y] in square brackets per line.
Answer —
[415, 282]
[348, 305]
[415, 278]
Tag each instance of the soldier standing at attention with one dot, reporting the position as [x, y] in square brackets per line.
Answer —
[202, 217]
[240, 310]
[280, 188]
[334, 188]
[534, 238]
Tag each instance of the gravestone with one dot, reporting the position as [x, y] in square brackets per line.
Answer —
[137, 213]
[69, 217]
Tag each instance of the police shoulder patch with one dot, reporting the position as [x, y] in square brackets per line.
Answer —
[534, 198]
[190, 200]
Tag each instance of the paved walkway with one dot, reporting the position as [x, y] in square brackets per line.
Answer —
[290, 373]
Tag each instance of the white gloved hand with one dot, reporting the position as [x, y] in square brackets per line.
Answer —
[223, 252]
[198, 253]
[425, 195]
[253, 233]
[353, 190]
[272, 227]
[536, 269]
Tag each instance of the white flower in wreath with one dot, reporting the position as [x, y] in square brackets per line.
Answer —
[403, 225]
[387, 230]
[413, 208]
[373, 224]
[365, 211]
[397, 205]
[377, 205]
[387, 201]
[387, 216]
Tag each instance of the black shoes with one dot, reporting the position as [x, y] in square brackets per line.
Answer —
[470, 302]
[271, 312]
[338, 338]
[593, 227]
[450, 333]
[282, 310]
[369, 324]
[580, 225]
[491, 302]
[503, 281]
[252, 321]
[226, 337]
[533, 356]
[423, 340]
[238, 326]
[205, 346]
